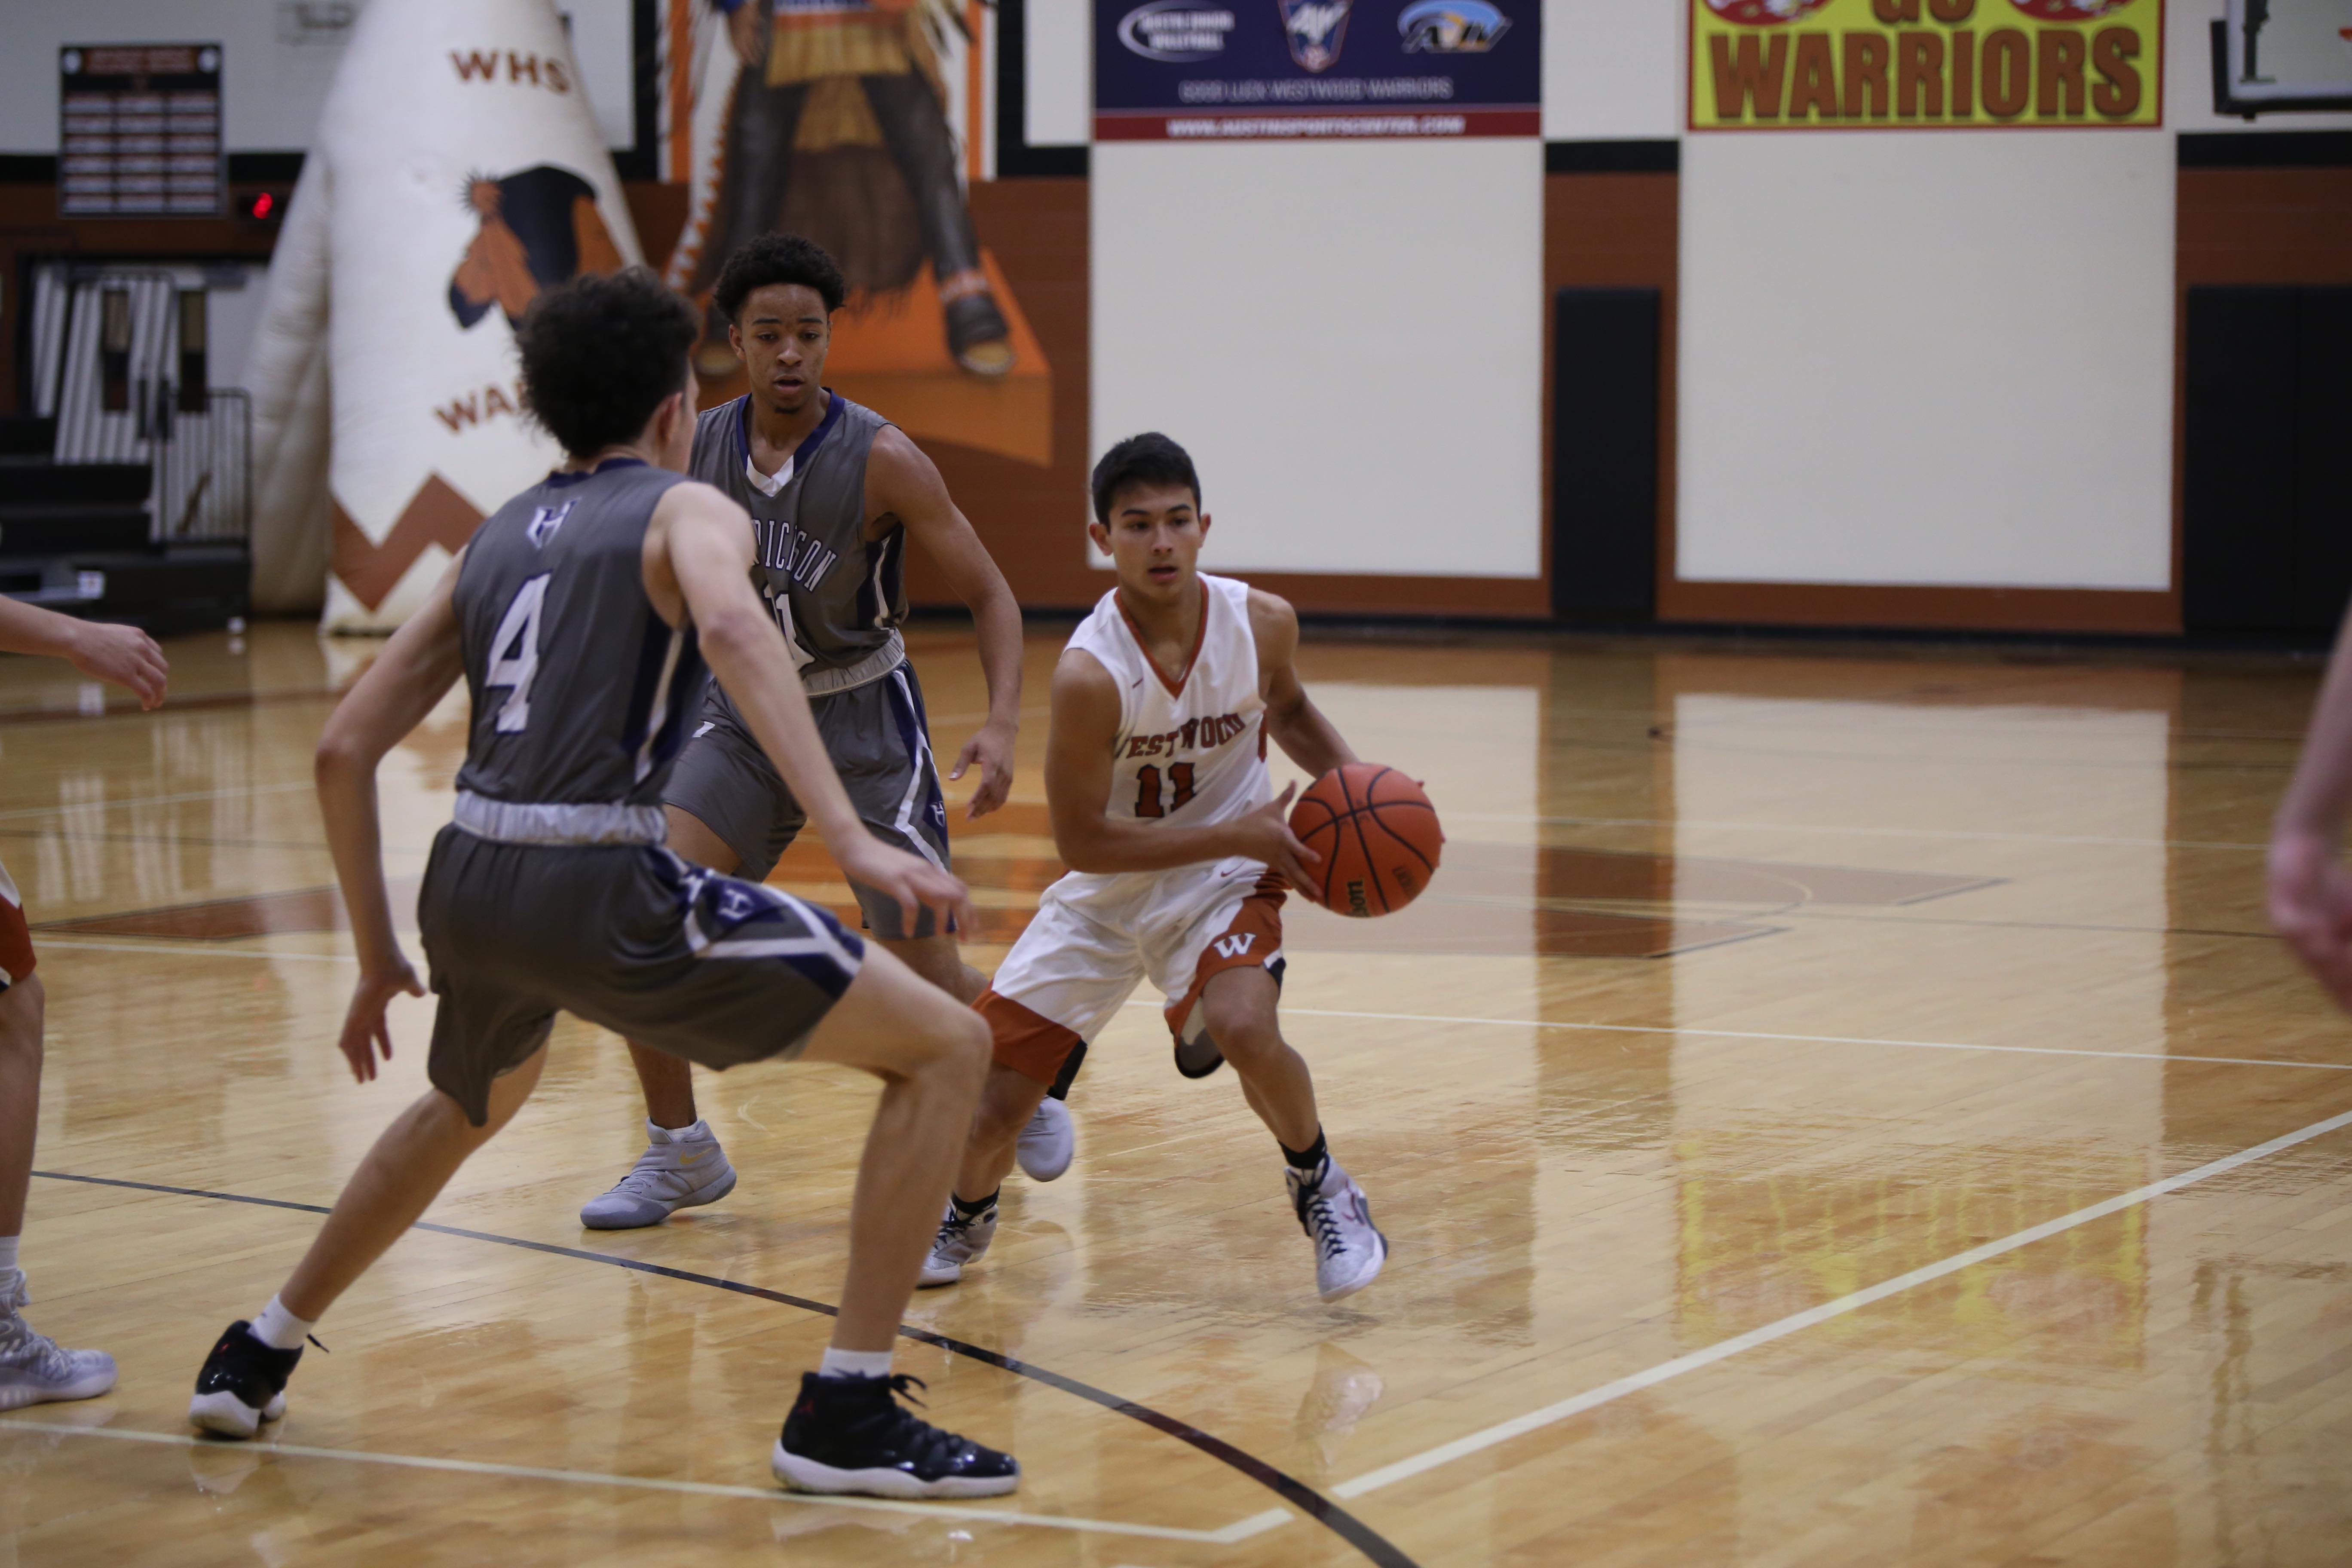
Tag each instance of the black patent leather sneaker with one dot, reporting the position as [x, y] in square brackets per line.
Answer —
[243, 1384]
[851, 1435]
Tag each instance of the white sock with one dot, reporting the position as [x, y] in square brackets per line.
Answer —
[8, 1253]
[698, 1129]
[854, 1364]
[279, 1328]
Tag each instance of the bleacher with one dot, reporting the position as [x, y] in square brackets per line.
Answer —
[81, 538]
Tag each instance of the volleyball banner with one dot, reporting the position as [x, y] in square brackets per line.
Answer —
[1910, 65]
[1188, 71]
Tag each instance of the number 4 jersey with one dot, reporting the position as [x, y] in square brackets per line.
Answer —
[581, 692]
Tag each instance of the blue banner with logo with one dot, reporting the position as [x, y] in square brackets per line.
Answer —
[1300, 69]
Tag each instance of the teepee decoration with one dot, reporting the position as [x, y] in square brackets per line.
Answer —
[458, 170]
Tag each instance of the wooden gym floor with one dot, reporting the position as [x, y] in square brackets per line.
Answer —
[1836, 1106]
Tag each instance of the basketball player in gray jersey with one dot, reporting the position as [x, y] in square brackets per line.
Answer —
[835, 492]
[579, 616]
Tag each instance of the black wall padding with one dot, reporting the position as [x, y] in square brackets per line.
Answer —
[1605, 468]
[2266, 482]
[2322, 457]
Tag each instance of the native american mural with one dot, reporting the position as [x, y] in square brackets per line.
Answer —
[839, 120]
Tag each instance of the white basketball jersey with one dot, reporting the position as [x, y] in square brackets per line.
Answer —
[1188, 751]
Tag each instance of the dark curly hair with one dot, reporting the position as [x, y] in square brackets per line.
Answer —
[599, 354]
[1150, 458]
[777, 259]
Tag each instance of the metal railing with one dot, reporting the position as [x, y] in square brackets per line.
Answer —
[201, 457]
[204, 467]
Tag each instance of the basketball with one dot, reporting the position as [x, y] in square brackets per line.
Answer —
[1378, 836]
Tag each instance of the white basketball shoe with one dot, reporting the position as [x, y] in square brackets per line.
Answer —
[34, 1370]
[962, 1239]
[1349, 1251]
[679, 1169]
[1047, 1142]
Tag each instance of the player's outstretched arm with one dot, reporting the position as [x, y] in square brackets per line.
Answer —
[1078, 775]
[1292, 720]
[901, 481]
[123, 655]
[2310, 892]
[417, 666]
[698, 570]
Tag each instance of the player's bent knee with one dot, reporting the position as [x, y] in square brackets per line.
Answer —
[1247, 1046]
[967, 1050]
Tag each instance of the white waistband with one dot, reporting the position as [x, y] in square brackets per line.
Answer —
[534, 822]
[864, 672]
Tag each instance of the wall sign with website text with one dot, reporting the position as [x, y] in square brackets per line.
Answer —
[1226, 70]
[1908, 64]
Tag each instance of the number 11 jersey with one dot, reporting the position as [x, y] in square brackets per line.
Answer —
[1190, 749]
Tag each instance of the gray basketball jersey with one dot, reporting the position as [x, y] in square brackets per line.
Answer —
[581, 694]
[838, 598]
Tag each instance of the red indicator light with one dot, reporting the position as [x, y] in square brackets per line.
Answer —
[264, 204]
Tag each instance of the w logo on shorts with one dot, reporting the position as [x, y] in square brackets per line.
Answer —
[1235, 946]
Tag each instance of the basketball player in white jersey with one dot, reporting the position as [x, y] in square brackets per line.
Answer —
[1179, 853]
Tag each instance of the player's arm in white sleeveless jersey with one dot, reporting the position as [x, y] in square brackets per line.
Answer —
[1078, 772]
[1292, 720]
[1079, 767]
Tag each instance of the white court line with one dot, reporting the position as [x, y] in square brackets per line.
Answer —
[1797, 1321]
[1429, 1018]
[1253, 1525]
[1812, 1039]
[1818, 827]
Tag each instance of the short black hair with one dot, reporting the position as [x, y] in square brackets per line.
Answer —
[777, 259]
[1150, 458]
[599, 355]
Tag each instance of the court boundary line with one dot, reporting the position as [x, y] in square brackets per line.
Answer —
[1229, 1535]
[1724, 1350]
[1813, 1040]
[1374, 1546]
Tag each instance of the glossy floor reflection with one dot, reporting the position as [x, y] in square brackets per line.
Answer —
[1756, 981]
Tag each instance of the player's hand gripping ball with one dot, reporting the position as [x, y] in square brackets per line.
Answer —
[1378, 836]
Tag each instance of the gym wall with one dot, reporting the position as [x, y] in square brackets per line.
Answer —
[1926, 360]
[1901, 380]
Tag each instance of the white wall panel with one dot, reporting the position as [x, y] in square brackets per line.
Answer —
[1613, 70]
[1348, 335]
[1940, 357]
[1059, 108]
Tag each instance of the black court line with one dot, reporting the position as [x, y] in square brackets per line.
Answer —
[1297, 1493]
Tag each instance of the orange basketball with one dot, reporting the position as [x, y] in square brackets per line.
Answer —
[1378, 836]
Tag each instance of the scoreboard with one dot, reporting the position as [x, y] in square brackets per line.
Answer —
[140, 131]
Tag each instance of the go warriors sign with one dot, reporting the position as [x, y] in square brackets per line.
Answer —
[1908, 64]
